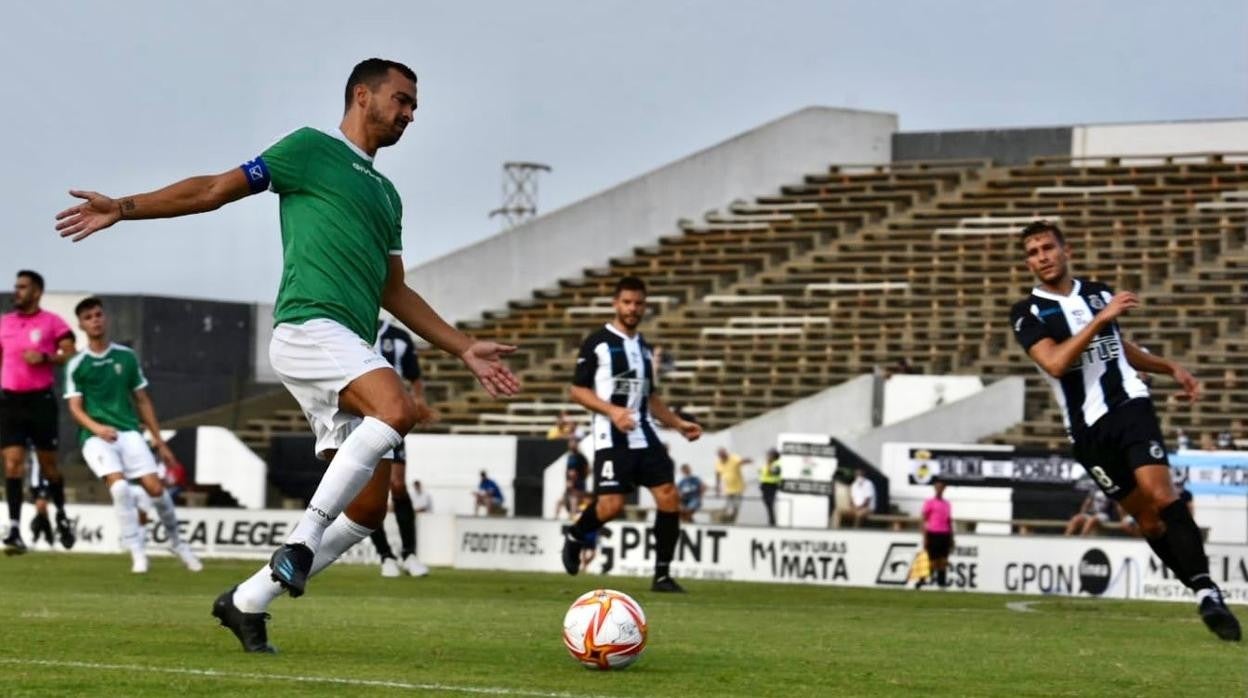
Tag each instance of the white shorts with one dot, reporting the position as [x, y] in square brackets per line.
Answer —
[315, 361]
[129, 455]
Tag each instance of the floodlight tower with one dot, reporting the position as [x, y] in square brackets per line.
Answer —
[519, 192]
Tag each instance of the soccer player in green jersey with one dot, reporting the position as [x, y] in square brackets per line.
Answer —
[341, 224]
[107, 396]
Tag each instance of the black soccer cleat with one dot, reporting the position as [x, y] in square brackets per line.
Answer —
[1219, 619]
[249, 628]
[572, 554]
[64, 531]
[39, 528]
[13, 544]
[666, 585]
[291, 565]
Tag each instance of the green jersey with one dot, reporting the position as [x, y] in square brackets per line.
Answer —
[341, 221]
[106, 382]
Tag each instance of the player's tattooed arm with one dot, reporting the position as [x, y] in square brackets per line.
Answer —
[191, 195]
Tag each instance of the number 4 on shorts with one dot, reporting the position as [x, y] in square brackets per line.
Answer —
[608, 470]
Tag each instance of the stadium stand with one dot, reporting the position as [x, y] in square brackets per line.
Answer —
[770, 300]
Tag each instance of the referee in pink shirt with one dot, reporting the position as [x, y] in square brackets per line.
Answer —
[938, 533]
[33, 342]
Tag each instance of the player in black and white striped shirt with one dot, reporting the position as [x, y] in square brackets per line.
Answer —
[1069, 327]
[615, 380]
[399, 350]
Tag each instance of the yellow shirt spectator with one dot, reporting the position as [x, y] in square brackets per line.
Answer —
[728, 467]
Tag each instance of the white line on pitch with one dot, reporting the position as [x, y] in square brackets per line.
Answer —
[333, 680]
[1022, 606]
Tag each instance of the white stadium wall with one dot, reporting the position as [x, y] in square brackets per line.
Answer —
[487, 274]
[1222, 135]
[1033, 565]
[990, 411]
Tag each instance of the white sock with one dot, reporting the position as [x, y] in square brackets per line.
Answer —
[168, 517]
[1202, 594]
[348, 472]
[255, 594]
[127, 515]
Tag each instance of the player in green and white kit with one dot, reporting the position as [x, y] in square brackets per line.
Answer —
[341, 241]
[104, 386]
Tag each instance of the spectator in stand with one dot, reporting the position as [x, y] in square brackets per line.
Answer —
[769, 483]
[1225, 441]
[563, 428]
[1183, 441]
[861, 500]
[1096, 509]
[1239, 440]
[903, 367]
[422, 503]
[489, 497]
[576, 473]
[664, 361]
[691, 489]
[1207, 442]
[730, 482]
[938, 533]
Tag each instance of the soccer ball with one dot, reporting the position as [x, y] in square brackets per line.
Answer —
[605, 629]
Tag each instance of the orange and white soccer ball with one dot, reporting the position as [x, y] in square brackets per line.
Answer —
[605, 629]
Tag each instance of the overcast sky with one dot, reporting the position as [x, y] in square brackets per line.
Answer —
[128, 96]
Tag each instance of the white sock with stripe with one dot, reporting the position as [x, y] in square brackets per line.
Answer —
[348, 472]
[255, 594]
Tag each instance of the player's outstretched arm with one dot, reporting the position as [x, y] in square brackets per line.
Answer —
[484, 359]
[1151, 363]
[690, 430]
[1056, 357]
[193, 195]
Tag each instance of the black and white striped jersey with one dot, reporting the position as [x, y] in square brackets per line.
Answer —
[1100, 379]
[620, 370]
[396, 346]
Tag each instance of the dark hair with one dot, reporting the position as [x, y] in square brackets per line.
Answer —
[371, 72]
[35, 277]
[88, 303]
[628, 283]
[1039, 227]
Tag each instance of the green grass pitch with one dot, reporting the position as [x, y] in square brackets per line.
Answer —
[83, 625]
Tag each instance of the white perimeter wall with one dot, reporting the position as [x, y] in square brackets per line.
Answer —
[1229, 135]
[560, 244]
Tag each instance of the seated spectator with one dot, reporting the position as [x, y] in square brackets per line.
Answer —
[1225, 441]
[1096, 509]
[488, 497]
[1239, 439]
[1182, 440]
[563, 428]
[691, 489]
[861, 500]
[1207, 441]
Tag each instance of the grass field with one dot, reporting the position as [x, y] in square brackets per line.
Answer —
[83, 625]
